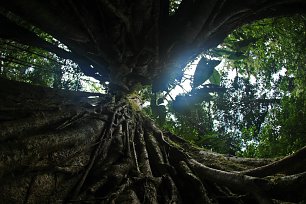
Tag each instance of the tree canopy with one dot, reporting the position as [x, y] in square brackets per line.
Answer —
[257, 107]
[127, 43]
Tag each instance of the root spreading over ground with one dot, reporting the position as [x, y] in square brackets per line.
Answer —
[62, 147]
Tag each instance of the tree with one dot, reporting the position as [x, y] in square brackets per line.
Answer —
[267, 57]
[270, 54]
[36, 66]
[60, 146]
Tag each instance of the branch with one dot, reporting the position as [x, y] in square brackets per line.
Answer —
[14, 32]
[290, 188]
[9, 59]
[19, 47]
[21, 35]
[117, 13]
[190, 18]
[59, 21]
[237, 13]
[255, 186]
[288, 164]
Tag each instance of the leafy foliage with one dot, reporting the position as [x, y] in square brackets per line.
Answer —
[204, 71]
[258, 112]
[22, 62]
[264, 112]
[36, 66]
[215, 78]
[274, 51]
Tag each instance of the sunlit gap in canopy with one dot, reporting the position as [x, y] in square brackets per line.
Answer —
[174, 4]
[87, 83]
[72, 74]
[185, 85]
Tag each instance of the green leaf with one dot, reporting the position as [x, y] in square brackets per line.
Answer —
[221, 52]
[237, 56]
[215, 78]
[204, 71]
[242, 44]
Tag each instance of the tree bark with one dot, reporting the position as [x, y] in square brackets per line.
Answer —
[62, 147]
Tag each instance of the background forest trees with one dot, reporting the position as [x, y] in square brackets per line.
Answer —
[261, 110]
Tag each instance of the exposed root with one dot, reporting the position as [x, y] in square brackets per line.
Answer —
[294, 163]
[111, 154]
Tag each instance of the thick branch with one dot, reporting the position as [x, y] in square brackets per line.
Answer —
[19, 34]
[289, 164]
[253, 185]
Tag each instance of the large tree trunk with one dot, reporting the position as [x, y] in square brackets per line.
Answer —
[59, 146]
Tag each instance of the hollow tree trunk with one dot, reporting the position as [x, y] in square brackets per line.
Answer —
[63, 147]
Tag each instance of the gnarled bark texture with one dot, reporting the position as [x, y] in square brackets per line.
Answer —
[63, 147]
